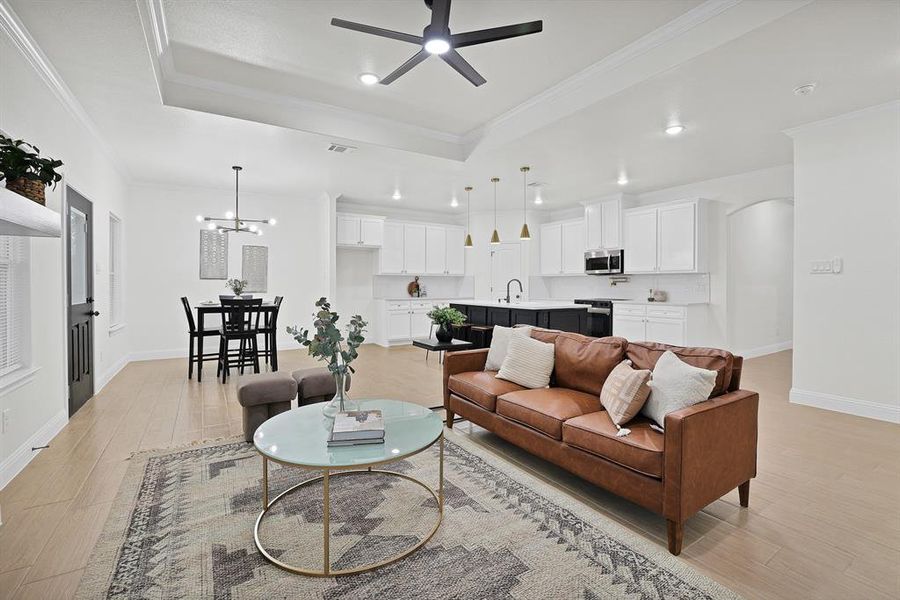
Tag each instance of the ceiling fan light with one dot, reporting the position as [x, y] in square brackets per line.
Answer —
[368, 78]
[437, 46]
[674, 129]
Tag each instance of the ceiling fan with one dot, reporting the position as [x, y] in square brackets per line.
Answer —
[437, 39]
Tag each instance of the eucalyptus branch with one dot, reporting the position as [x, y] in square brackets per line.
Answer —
[327, 344]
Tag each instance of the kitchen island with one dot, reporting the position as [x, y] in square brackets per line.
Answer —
[549, 314]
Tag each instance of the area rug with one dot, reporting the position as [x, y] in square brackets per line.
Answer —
[182, 527]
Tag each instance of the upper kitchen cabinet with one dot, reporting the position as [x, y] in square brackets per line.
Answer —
[663, 239]
[444, 250]
[403, 249]
[603, 222]
[456, 251]
[361, 231]
[562, 247]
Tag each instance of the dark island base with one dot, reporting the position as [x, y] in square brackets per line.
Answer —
[563, 319]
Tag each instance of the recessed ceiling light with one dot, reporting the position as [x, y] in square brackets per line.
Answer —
[437, 46]
[805, 90]
[368, 78]
[454, 203]
[538, 200]
[396, 195]
[622, 180]
[674, 129]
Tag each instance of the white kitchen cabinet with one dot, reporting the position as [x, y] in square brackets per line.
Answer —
[551, 249]
[435, 250]
[392, 250]
[665, 330]
[631, 328]
[640, 240]
[661, 323]
[413, 248]
[573, 247]
[419, 323]
[603, 224]
[677, 225]
[400, 321]
[456, 252]
[398, 324]
[359, 230]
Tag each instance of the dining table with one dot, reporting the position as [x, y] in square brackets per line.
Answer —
[268, 308]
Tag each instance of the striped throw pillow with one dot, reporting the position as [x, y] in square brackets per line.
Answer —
[528, 362]
[624, 392]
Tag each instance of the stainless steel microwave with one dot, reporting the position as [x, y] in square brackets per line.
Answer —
[604, 262]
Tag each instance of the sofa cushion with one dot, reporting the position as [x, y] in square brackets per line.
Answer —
[645, 354]
[641, 450]
[546, 409]
[481, 387]
[583, 363]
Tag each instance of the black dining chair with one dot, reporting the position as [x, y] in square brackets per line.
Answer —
[240, 322]
[193, 335]
[268, 330]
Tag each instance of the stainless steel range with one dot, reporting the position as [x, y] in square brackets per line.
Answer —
[600, 315]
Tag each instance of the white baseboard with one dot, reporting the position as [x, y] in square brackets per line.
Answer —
[852, 406]
[22, 455]
[763, 350]
[159, 354]
[111, 372]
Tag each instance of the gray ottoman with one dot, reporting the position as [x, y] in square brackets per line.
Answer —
[316, 385]
[262, 396]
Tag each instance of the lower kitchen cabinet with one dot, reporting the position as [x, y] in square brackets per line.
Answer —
[677, 325]
[401, 321]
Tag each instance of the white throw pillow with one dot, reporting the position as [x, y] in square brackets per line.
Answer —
[500, 344]
[676, 385]
[529, 362]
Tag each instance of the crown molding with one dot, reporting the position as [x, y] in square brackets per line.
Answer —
[13, 27]
[799, 129]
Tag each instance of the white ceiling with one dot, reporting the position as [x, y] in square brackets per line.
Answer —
[727, 77]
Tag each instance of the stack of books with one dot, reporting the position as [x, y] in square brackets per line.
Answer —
[357, 427]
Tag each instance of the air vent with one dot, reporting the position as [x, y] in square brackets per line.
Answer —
[537, 184]
[341, 148]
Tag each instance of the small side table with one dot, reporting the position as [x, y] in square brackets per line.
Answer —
[433, 345]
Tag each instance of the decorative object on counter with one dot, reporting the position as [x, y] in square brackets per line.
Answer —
[237, 286]
[326, 345]
[660, 296]
[495, 237]
[25, 171]
[213, 255]
[232, 220]
[468, 242]
[524, 234]
[445, 317]
[414, 288]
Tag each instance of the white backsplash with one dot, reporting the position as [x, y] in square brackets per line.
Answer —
[394, 286]
[688, 288]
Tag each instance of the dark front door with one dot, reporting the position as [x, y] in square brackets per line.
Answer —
[80, 261]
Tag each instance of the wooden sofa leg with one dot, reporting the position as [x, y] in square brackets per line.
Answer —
[450, 417]
[675, 533]
[744, 493]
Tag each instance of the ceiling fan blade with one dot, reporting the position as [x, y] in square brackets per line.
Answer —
[440, 15]
[402, 69]
[388, 33]
[482, 36]
[455, 60]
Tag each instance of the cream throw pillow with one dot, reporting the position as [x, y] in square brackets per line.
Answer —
[624, 392]
[500, 345]
[676, 385]
[528, 362]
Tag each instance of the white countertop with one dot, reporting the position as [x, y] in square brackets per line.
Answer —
[529, 305]
[426, 298]
[645, 302]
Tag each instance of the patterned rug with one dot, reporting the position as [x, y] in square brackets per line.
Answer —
[182, 527]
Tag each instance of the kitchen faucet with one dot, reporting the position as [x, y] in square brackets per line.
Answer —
[521, 289]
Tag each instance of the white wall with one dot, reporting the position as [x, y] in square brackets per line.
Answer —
[509, 225]
[761, 277]
[847, 204]
[31, 109]
[163, 259]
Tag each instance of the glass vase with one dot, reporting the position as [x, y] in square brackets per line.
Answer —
[341, 401]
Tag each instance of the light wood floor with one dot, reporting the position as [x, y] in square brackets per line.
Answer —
[823, 522]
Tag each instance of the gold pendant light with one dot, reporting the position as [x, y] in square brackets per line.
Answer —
[495, 237]
[468, 242]
[525, 234]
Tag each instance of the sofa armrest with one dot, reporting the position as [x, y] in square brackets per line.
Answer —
[462, 361]
[710, 449]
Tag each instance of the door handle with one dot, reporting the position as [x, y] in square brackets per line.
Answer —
[92, 313]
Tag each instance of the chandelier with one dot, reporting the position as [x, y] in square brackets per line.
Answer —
[232, 222]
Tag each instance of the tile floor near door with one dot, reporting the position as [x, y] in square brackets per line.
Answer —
[823, 522]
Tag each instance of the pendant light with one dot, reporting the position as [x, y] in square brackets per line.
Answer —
[495, 237]
[524, 234]
[468, 242]
[233, 222]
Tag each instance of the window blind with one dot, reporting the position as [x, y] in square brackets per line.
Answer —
[15, 315]
[116, 316]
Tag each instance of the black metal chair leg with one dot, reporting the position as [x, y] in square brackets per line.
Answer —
[191, 357]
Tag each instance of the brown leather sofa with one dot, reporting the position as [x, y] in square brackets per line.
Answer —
[707, 450]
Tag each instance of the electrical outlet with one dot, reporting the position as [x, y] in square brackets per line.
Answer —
[4, 420]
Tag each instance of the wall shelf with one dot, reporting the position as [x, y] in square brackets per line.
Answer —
[23, 217]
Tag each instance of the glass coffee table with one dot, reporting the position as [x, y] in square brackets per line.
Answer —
[298, 438]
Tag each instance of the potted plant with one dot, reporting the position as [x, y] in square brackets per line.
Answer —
[329, 345]
[236, 286]
[25, 171]
[444, 318]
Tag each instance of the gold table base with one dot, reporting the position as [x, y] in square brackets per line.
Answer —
[326, 476]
